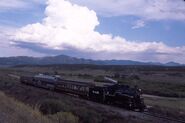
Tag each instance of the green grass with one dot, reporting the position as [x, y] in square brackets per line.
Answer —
[171, 107]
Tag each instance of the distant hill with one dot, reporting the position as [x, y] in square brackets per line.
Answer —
[172, 64]
[63, 59]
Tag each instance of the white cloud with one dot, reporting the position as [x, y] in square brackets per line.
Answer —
[138, 24]
[68, 25]
[145, 9]
[6, 47]
[12, 4]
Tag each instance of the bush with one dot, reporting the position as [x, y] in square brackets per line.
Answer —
[65, 117]
[88, 115]
[51, 107]
[12, 111]
[58, 109]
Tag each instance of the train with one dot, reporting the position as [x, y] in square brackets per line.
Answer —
[114, 93]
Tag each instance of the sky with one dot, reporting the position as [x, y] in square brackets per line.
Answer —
[140, 30]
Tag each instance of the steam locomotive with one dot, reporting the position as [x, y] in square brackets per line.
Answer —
[114, 93]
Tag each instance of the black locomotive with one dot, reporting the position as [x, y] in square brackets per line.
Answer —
[116, 94]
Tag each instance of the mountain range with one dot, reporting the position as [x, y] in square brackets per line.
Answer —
[63, 59]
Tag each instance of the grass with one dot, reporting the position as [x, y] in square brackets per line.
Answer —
[170, 107]
[81, 112]
[158, 88]
[173, 103]
[51, 111]
[12, 111]
[64, 117]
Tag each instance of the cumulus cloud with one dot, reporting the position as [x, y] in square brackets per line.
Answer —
[68, 25]
[7, 48]
[146, 9]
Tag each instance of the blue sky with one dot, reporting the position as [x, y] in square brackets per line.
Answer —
[142, 30]
[170, 32]
[20, 17]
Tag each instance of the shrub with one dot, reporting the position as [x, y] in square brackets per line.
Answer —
[51, 107]
[12, 111]
[65, 117]
[88, 115]
[58, 109]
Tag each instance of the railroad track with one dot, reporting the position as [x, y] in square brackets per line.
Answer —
[164, 117]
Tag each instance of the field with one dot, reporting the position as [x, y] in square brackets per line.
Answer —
[168, 82]
[155, 80]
